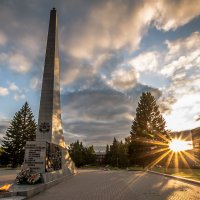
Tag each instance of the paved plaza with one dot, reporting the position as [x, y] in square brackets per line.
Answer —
[7, 176]
[120, 185]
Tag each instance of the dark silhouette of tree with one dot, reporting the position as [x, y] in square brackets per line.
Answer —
[107, 156]
[22, 128]
[147, 132]
[81, 155]
[116, 155]
[3, 158]
[148, 121]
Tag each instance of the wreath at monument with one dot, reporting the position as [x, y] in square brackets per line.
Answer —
[25, 177]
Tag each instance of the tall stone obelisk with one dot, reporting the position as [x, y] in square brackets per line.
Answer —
[48, 154]
[49, 122]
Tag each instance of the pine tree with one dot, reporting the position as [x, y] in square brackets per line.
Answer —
[22, 129]
[117, 156]
[81, 155]
[147, 132]
[107, 156]
[114, 158]
[148, 122]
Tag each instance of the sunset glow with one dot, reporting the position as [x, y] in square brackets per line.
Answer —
[177, 145]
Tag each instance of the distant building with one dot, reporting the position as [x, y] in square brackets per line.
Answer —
[196, 143]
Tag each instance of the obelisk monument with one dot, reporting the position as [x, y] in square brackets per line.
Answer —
[48, 153]
[49, 121]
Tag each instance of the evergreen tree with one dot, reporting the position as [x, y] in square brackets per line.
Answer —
[89, 155]
[107, 156]
[147, 131]
[22, 129]
[148, 122]
[81, 155]
[3, 158]
[76, 152]
[117, 156]
[123, 155]
[114, 157]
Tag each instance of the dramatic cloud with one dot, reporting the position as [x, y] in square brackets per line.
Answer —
[96, 115]
[182, 53]
[122, 24]
[108, 25]
[4, 91]
[104, 65]
[123, 79]
[172, 14]
[16, 62]
[145, 62]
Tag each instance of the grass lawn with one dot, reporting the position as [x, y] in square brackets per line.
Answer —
[185, 173]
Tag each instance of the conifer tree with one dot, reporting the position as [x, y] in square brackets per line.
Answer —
[81, 155]
[107, 156]
[117, 155]
[148, 122]
[147, 132]
[22, 129]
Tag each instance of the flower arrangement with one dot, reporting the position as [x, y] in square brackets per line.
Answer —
[25, 177]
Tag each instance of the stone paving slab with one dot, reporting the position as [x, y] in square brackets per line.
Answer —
[120, 185]
[8, 176]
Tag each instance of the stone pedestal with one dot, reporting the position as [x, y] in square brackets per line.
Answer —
[51, 160]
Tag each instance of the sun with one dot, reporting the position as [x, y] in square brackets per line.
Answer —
[177, 145]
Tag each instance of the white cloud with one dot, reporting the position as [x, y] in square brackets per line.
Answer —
[122, 79]
[182, 54]
[181, 46]
[18, 97]
[180, 65]
[147, 61]
[16, 62]
[13, 86]
[4, 91]
[109, 25]
[19, 63]
[173, 14]
[122, 24]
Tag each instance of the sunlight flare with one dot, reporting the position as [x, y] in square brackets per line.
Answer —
[178, 145]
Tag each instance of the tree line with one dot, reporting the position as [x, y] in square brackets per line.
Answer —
[148, 134]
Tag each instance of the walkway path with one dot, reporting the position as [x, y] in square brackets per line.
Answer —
[120, 185]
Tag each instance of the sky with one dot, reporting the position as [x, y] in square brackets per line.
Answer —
[110, 52]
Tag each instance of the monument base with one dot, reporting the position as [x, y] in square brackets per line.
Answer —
[51, 160]
[54, 175]
[27, 191]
